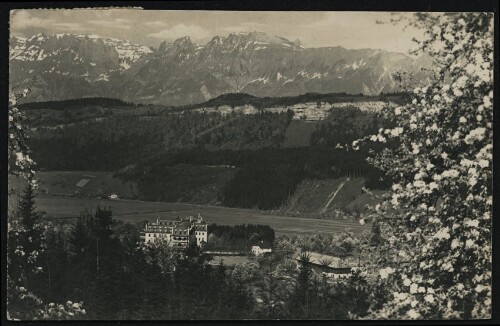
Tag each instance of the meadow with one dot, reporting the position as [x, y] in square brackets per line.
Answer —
[61, 207]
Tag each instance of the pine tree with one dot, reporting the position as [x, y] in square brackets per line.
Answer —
[301, 296]
[29, 238]
[78, 238]
[27, 209]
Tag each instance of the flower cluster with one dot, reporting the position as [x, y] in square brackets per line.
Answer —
[19, 160]
[439, 208]
[71, 310]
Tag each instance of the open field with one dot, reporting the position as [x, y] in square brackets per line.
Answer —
[135, 211]
[229, 260]
[79, 184]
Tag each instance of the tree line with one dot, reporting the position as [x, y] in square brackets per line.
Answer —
[238, 237]
[113, 143]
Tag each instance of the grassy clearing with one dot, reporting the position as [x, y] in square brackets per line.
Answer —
[312, 195]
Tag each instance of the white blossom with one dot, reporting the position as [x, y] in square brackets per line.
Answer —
[384, 273]
[429, 298]
[443, 233]
[483, 163]
[413, 314]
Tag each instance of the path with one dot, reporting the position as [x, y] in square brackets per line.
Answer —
[333, 194]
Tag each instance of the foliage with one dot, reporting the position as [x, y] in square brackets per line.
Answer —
[114, 142]
[439, 209]
[25, 238]
[344, 125]
[337, 244]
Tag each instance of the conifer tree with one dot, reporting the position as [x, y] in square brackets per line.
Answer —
[301, 297]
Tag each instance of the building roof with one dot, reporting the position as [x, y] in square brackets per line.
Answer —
[159, 222]
[200, 227]
[184, 225]
[333, 262]
[177, 227]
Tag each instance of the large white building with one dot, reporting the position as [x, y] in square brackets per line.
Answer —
[178, 233]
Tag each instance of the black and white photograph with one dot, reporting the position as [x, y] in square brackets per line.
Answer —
[168, 164]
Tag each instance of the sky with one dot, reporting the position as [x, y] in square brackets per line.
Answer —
[351, 30]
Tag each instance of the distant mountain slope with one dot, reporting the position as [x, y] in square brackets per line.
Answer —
[180, 73]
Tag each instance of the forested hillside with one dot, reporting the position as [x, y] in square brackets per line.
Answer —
[239, 160]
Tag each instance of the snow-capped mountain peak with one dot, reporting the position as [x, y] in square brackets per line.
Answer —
[182, 72]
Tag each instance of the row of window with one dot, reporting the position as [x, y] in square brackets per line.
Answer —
[160, 230]
[154, 235]
[176, 238]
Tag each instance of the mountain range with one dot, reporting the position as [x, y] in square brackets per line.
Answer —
[70, 66]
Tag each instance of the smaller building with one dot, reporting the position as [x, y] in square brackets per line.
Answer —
[262, 248]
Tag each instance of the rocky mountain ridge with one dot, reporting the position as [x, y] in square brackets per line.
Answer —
[182, 72]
